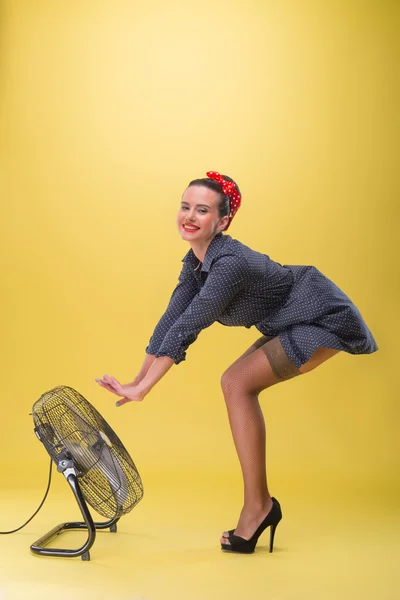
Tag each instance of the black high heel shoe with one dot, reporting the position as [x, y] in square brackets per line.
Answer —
[239, 544]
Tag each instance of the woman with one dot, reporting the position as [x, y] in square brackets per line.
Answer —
[304, 317]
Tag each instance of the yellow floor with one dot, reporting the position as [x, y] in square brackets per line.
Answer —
[327, 548]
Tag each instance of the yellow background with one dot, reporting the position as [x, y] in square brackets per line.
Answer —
[107, 111]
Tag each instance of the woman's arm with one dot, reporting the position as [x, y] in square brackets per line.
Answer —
[153, 369]
[108, 382]
[180, 299]
[137, 393]
[183, 294]
[148, 361]
[158, 369]
[228, 276]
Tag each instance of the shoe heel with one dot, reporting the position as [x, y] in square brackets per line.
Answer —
[272, 536]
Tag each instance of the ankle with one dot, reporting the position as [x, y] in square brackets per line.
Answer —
[258, 505]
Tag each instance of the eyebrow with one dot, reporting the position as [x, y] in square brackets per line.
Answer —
[206, 205]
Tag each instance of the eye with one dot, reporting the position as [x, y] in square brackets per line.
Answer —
[203, 210]
[184, 207]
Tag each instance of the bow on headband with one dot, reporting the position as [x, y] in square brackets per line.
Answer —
[228, 187]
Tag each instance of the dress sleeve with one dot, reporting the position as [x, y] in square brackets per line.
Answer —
[228, 276]
[182, 295]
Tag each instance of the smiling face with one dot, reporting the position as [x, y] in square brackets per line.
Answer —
[198, 218]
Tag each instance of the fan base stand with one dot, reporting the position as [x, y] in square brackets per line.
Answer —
[39, 547]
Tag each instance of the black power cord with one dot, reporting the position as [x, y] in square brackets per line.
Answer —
[35, 513]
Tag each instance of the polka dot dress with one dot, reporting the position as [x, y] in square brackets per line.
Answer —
[238, 286]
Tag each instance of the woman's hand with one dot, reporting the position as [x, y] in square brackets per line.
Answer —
[130, 392]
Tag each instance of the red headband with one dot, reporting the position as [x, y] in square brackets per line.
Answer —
[228, 187]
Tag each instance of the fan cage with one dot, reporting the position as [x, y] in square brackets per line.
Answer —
[68, 425]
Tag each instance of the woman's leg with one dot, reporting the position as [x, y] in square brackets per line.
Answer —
[264, 364]
[257, 344]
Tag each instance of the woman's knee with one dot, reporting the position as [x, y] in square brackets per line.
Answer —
[236, 381]
[263, 368]
[228, 381]
[232, 383]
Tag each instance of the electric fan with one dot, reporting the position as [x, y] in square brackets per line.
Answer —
[93, 460]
